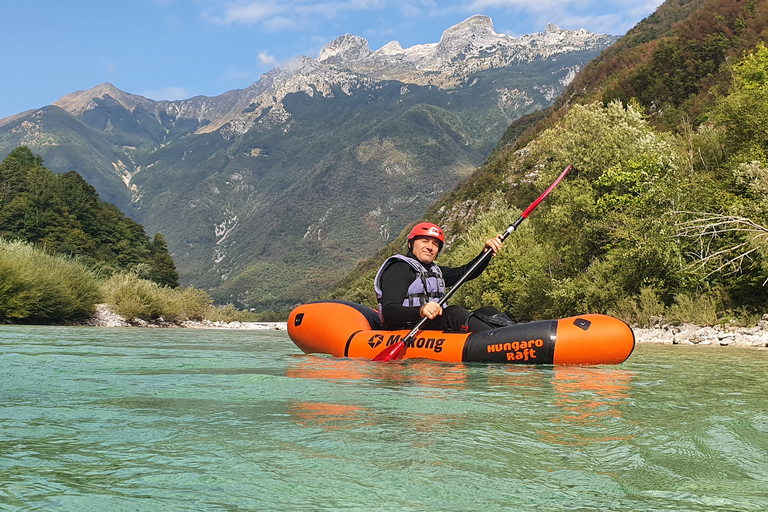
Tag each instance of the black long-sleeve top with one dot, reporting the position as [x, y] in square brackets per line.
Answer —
[394, 289]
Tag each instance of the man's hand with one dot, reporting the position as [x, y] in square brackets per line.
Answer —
[494, 244]
[431, 310]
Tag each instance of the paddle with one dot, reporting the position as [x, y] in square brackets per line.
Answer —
[397, 350]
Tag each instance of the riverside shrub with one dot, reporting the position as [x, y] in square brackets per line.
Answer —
[229, 313]
[134, 298]
[42, 288]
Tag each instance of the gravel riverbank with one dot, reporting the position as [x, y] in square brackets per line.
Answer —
[689, 334]
[686, 334]
[106, 318]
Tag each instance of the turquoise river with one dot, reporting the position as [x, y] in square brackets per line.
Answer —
[111, 419]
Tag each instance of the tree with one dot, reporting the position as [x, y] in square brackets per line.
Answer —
[162, 269]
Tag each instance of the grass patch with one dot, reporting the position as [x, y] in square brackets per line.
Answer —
[134, 298]
[36, 287]
[229, 313]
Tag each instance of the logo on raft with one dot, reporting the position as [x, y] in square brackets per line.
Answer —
[517, 350]
[376, 340]
[434, 344]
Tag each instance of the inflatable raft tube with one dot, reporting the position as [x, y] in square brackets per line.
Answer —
[346, 329]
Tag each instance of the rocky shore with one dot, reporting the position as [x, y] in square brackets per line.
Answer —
[685, 334]
[106, 318]
[689, 334]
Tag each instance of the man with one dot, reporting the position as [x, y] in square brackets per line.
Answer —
[408, 287]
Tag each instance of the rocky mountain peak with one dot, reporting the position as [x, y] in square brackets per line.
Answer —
[347, 63]
[392, 47]
[347, 48]
[469, 35]
[80, 101]
[477, 25]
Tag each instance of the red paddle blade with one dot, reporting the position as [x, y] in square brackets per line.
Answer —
[545, 194]
[391, 352]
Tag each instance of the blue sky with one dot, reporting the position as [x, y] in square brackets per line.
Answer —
[174, 49]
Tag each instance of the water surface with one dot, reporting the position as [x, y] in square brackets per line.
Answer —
[174, 419]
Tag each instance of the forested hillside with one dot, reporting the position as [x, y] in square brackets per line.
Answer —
[665, 212]
[62, 214]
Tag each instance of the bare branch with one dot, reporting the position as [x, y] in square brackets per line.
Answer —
[708, 227]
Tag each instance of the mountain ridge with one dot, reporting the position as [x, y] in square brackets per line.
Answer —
[474, 35]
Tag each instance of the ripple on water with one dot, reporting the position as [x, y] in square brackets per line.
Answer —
[145, 419]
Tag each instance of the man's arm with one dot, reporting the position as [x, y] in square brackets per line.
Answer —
[453, 274]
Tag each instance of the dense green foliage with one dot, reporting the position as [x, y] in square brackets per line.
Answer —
[62, 214]
[665, 212]
[132, 297]
[36, 287]
[606, 240]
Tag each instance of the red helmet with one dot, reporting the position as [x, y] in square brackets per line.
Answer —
[427, 229]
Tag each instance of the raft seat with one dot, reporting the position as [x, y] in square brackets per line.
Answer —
[370, 315]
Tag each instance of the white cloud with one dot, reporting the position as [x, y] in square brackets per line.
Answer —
[251, 13]
[267, 60]
[280, 23]
[522, 5]
[287, 14]
[621, 9]
[612, 24]
[410, 10]
[612, 17]
[167, 93]
[615, 17]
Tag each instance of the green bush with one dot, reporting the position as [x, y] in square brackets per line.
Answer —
[516, 279]
[229, 313]
[699, 309]
[644, 310]
[38, 287]
[134, 298]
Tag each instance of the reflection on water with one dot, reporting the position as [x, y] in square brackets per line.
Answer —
[141, 419]
[424, 374]
[584, 396]
[590, 400]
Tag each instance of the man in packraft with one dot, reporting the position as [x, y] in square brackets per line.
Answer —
[408, 287]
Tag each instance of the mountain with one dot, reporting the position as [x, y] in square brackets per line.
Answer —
[268, 195]
[664, 212]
